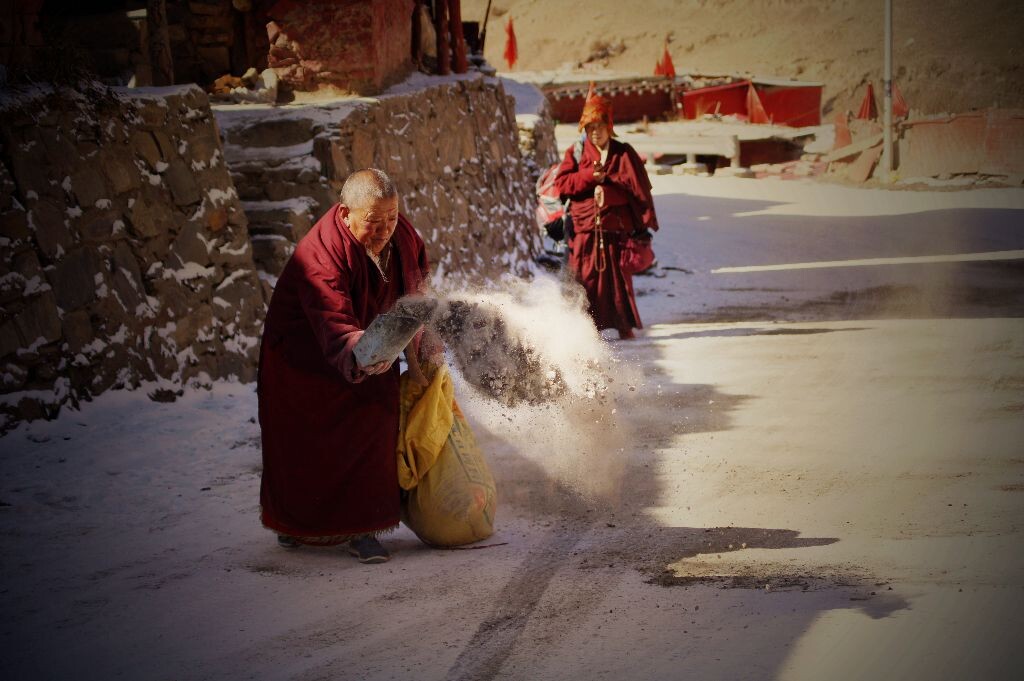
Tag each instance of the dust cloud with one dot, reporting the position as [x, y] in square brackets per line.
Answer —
[530, 368]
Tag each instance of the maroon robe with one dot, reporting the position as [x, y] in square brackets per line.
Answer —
[330, 431]
[628, 206]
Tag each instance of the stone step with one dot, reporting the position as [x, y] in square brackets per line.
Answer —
[289, 210]
[307, 174]
[319, 195]
[257, 132]
[289, 231]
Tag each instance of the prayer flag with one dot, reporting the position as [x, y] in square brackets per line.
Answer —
[868, 108]
[511, 50]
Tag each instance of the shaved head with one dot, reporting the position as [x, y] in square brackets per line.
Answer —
[365, 187]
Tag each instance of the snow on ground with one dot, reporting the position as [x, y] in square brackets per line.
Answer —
[808, 492]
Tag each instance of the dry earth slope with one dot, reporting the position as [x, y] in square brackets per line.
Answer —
[948, 56]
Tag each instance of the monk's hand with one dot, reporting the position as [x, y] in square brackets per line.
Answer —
[415, 370]
[598, 172]
[378, 368]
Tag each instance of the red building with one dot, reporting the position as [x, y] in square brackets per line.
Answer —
[781, 102]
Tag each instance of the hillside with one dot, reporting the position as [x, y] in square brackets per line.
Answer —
[948, 57]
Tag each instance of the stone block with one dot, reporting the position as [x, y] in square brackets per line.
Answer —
[29, 173]
[72, 279]
[127, 278]
[149, 215]
[120, 171]
[10, 341]
[97, 225]
[26, 263]
[14, 225]
[164, 144]
[182, 183]
[51, 233]
[153, 115]
[216, 219]
[77, 330]
[145, 146]
[175, 299]
[188, 247]
[7, 188]
[363, 149]
[38, 320]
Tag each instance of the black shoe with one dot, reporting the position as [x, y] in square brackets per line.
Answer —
[286, 542]
[368, 550]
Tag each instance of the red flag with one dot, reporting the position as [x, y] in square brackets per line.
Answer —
[868, 108]
[511, 50]
[899, 105]
[659, 68]
[755, 109]
[668, 69]
[843, 135]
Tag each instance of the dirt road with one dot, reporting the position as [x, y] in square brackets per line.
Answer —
[835, 498]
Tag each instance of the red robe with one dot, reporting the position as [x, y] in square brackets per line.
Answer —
[628, 206]
[329, 431]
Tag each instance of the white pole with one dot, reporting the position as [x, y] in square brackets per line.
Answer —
[887, 101]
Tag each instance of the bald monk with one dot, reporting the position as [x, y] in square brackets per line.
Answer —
[329, 426]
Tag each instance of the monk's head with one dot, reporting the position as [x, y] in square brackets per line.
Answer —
[596, 119]
[369, 205]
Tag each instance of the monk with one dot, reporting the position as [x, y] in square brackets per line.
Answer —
[610, 199]
[329, 426]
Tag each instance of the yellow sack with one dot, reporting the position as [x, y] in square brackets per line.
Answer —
[424, 423]
[451, 496]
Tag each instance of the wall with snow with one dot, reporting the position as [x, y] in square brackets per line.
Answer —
[451, 145]
[124, 251]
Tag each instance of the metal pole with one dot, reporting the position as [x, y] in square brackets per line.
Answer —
[887, 100]
[483, 29]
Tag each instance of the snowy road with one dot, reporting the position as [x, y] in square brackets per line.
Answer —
[823, 479]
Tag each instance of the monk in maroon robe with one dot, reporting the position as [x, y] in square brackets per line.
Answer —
[329, 426]
[610, 199]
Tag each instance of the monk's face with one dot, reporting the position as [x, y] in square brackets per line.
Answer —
[598, 133]
[374, 223]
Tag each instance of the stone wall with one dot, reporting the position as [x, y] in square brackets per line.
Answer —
[451, 145]
[124, 252]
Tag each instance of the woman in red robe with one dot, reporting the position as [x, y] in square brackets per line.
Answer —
[610, 198]
[330, 427]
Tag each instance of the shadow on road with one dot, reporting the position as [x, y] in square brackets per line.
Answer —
[559, 589]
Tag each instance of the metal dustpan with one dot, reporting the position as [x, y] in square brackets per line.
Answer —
[389, 333]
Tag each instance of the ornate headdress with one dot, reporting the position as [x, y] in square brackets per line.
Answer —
[596, 108]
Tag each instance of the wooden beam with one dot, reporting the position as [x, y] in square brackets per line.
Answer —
[160, 61]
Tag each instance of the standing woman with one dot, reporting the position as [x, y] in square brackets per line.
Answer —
[610, 197]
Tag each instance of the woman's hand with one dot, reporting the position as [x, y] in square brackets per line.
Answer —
[598, 172]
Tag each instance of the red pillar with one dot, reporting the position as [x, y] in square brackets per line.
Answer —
[444, 53]
[458, 39]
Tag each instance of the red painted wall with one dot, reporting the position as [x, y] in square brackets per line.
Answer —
[727, 100]
[356, 45]
[795, 106]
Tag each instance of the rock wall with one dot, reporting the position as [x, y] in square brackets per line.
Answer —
[451, 145]
[124, 252]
